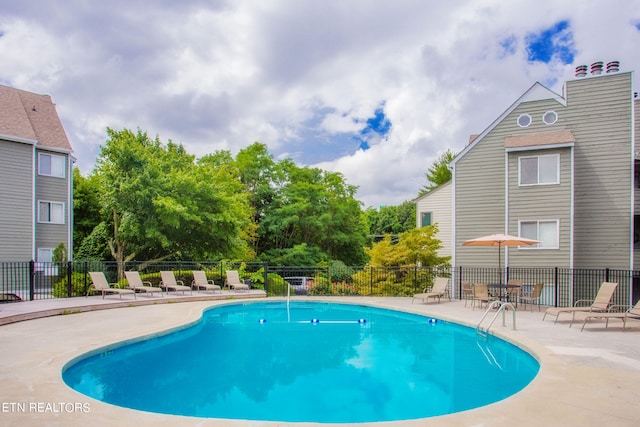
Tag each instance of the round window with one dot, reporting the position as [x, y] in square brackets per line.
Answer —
[524, 120]
[550, 117]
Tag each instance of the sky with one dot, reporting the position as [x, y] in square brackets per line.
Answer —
[375, 90]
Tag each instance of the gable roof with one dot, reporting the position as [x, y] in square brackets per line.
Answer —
[31, 118]
[429, 193]
[535, 93]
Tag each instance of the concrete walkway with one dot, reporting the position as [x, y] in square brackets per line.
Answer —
[588, 378]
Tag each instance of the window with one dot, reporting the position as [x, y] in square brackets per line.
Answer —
[546, 231]
[51, 212]
[524, 120]
[538, 170]
[51, 165]
[550, 117]
[425, 219]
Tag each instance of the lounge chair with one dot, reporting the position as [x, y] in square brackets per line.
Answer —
[535, 296]
[134, 281]
[438, 290]
[169, 283]
[233, 281]
[481, 295]
[600, 304]
[99, 284]
[632, 313]
[200, 282]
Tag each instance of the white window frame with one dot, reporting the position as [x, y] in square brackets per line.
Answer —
[557, 180]
[57, 165]
[522, 117]
[542, 245]
[49, 219]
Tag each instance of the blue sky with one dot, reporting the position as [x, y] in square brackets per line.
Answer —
[372, 89]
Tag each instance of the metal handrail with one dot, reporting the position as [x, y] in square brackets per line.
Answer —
[501, 309]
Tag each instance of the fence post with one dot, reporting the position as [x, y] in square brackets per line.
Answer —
[607, 271]
[265, 272]
[32, 279]
[555, 279]
[69, 277]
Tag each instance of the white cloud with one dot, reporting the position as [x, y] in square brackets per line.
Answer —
[301, 76]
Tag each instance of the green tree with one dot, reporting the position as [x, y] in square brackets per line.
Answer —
[439, 173]
[86, 207]
[417, 246]
[160, 204]
[391, 219]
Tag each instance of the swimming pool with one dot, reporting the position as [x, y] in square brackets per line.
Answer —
[317, 362]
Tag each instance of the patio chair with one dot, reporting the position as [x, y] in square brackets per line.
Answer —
[600, 304]
[233, 281]
[169, 283]
[134, 281]
[631, 313]
[514, 292]
[200, 282]
[535, 296]
[481, 295]
[467, 292]
[438, 290]
[99, 283]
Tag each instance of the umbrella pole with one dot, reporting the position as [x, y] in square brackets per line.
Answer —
[499, 264]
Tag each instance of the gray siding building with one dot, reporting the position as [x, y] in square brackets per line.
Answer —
[561, 169]
[36, 199]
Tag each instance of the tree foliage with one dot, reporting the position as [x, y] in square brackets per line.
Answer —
[439, 173]
[155, 201]
[391, 219]
[417, 246]
[160, 204]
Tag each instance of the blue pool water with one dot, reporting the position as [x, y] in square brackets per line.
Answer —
[317, 362]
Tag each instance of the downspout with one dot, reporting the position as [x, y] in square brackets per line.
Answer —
[70, 162]
[506, 208]
[571, 220]
[453, 229]
[34, 206]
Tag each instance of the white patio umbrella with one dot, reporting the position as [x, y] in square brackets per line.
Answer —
[500, 240]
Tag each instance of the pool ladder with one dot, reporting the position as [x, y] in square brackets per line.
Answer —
[503, 306]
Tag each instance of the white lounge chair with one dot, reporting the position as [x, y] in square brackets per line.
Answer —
[600, 304]
[632, 313]
[134, 281]
[438, 290]
[233, 281]
[169, 283]
[99, 283]
[200, 281]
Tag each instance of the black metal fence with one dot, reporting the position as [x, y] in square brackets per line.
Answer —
[562, 286]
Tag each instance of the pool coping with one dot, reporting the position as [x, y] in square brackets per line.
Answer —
[586, 378]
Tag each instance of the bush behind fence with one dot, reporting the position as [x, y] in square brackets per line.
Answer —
[33, 280]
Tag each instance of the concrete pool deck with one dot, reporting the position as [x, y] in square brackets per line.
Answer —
[588, 378]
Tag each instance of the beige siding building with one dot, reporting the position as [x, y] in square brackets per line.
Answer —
[35, 178]
[434, 207]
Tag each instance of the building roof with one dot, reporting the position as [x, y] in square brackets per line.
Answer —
[29, 117]
[539, 139]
